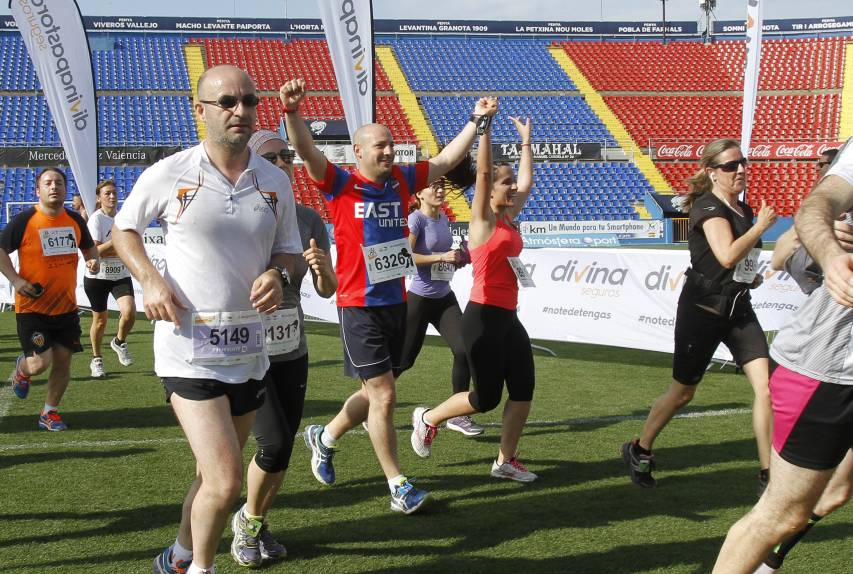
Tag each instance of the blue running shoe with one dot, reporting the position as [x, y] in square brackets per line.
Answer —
[50, 421]
[321, 455]
[408, 499]
[163, 564]
[20, 381]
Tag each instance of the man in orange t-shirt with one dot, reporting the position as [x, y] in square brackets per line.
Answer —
[46, 237]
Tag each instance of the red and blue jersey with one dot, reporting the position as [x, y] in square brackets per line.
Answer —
[367, 213]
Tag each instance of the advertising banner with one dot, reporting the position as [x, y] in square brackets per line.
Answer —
[548, 151]
[754, 17]
[121, 155]
[617, 297]
[776, 150]
[349, 33]
[56, 42]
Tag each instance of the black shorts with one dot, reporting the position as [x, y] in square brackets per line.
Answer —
[812, 420]
[98, 290]
[372, 338]
[243, 397]
[38, 332]
[698, 333]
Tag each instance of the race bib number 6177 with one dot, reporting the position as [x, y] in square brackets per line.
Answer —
[58, 241]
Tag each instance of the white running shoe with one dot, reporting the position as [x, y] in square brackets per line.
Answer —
[124, 356]
[512, 469]
[97, 368]
[765, 569]
[422, 433]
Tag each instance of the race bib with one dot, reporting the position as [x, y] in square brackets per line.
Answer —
[521, 273]
[112, 269]
[226, 338]
[387, 261]
[442, 271]
[281, 331]
[58, 241]
[747, 267]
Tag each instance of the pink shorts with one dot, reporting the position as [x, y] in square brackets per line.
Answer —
[812, 420]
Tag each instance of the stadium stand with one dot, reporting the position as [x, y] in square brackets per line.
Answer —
[632, 93]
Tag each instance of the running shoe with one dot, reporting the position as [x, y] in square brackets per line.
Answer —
[97, 368]
[512, 469]
[20, 381]
[321, 455]
[124, 356]
[245, 547]
[408, 499]
[163, 564]
[765, 569]
[50, 421]
[640, 466]
[422, 433]
[271, 549]
[466, 426]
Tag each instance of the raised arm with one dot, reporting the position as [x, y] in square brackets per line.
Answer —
[453, 152]
[814, 224]
[291, 95]
[524, 181]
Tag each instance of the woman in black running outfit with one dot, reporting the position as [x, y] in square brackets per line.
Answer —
[714, 306]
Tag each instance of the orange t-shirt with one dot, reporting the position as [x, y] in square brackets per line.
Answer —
[47, 254]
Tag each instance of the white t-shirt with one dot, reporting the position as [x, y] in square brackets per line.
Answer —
[100, 227]
[843, 165]
[218, 239]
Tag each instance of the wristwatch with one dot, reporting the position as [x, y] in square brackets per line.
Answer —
[285, 276]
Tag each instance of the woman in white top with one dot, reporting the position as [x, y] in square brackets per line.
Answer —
[113, 278]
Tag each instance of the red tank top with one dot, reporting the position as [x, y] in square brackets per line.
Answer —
[494, 280]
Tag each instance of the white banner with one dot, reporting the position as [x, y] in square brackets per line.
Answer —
[340, 154]
[754, 18]
[56, 41]
[617, 297]
[349, 33]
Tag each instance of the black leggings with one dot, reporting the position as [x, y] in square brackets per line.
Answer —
[444, 314]
[277, 421]
[499, 352]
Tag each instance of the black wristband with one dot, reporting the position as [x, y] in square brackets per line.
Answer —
[482, 123]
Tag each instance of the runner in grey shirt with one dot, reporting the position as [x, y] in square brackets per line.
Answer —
[811, 390]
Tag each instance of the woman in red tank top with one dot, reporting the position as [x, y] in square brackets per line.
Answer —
[496, 342]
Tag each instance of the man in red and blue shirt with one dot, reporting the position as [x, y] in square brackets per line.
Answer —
[369, 209]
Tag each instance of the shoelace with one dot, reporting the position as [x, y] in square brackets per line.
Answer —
[404, 489]
[516, 464]
[53, 415]
[431, 431]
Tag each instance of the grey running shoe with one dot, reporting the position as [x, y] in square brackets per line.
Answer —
[640, 466]
[271, 549]
[512, 469]
[245, 547]
[465, 425]
[124, 356]
[422, 433]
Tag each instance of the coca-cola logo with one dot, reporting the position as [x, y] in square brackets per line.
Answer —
[761, 151]
[683, 151]
[804, 150]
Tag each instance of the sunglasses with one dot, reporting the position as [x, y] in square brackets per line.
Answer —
[229, 102]
[286, 156]
[731, 166]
